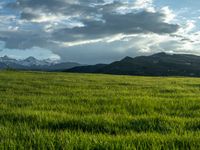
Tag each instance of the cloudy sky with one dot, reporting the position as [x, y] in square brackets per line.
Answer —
[98, 31]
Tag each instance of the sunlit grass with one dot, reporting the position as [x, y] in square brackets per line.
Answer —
[83, 111]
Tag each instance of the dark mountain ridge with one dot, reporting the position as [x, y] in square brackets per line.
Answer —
[160, 64]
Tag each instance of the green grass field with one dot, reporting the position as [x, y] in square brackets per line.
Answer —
[84, 111]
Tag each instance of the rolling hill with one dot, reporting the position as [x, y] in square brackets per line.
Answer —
[160, 64]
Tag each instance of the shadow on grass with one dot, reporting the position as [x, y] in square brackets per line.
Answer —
[99, 125]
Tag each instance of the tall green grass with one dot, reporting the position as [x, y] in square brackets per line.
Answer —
[83, 111]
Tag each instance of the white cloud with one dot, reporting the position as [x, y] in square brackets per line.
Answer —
[7, 21]
[13, 28]
[130, 6]
[169, 14]
[190, 25]
[37, 52]
[145, 4]
[76, 43]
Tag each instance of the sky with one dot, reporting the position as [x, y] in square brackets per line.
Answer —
[98, 31]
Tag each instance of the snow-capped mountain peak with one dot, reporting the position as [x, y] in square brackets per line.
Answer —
[6, 59]
[31, 63]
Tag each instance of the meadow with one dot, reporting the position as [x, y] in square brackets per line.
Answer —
[65, 111]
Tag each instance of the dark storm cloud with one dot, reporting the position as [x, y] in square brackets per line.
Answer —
[118, 23]
[23, 39]
[50, 4]
[29, 16]
[100, 20]
[54, 6]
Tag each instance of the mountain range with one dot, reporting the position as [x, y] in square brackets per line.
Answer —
[32, 63]
[160, 64]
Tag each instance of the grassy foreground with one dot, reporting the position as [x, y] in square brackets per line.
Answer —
[83, 111]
